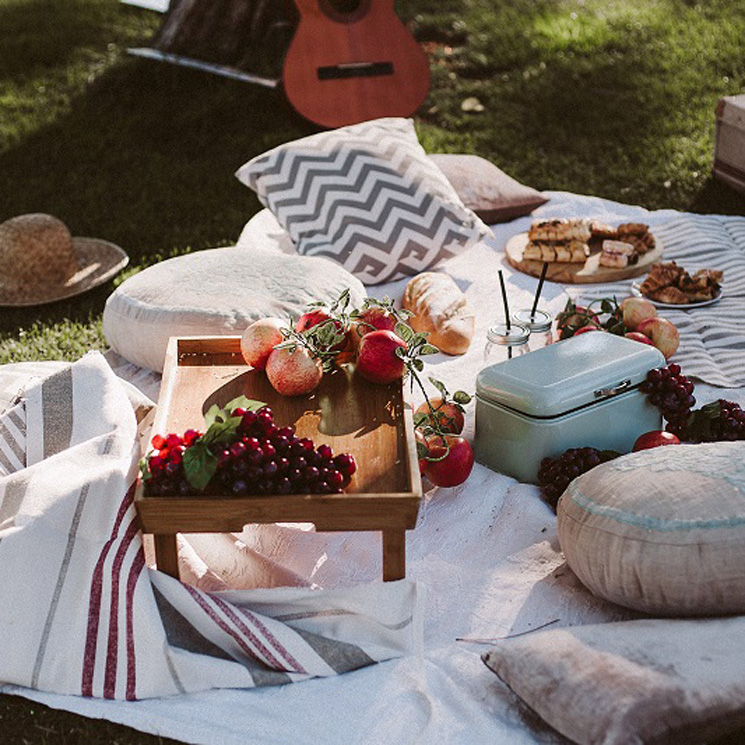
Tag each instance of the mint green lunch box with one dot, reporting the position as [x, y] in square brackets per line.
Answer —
[580, 392]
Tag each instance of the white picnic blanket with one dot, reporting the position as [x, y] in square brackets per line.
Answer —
[87, 618]
[486, 552]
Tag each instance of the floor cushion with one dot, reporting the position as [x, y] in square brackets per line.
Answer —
[486, 189]
[661, 530]
[366, 196]
[215, 292]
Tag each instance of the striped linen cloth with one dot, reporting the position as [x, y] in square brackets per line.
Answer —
[82, 614]
[712, 338]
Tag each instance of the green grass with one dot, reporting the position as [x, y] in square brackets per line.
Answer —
[613, 98]
[608, 97]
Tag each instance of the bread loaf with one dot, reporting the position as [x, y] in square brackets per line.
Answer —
[441, 310]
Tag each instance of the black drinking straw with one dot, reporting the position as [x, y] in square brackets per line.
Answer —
[504, 300]
[506, 310]
[538, 291]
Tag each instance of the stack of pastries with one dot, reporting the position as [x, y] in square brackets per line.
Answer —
[559, 239]
[670, 283]
[570, 240]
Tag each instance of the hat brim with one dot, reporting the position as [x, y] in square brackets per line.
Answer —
[99, 261]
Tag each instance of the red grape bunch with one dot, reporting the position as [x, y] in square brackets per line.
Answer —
[672, 393]
[254, 457]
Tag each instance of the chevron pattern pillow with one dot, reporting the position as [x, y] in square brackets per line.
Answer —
[366, 196]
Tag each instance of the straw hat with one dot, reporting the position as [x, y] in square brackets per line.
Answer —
[41, 262]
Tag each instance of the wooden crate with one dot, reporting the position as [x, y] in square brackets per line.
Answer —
[374, 423]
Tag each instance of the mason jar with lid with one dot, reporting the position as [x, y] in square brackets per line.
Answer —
[539, 325]
[505, 342]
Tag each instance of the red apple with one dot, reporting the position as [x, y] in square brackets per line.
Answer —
[663, 334]
[293, 372]
[654, 439]
[637, 336]
[377, 360]
[455, 467]
[449, 417]
[635, 310]
[585, 329]
[259, 339]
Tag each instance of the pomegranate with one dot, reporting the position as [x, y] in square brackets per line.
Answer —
[455, 467]
[378, 318]
[259, 339]
[311, 319]
[585, 329]
[449, 417]
[635, 310]
[377, 360]
[293, 372]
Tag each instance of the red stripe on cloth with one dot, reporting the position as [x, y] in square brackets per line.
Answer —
[112, 648]
[269, 657]
[294, 665]
[94, 606]
[134, 575]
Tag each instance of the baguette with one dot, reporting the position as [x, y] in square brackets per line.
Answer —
[441, 310]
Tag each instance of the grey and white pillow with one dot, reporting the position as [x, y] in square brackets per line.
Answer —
[367, 196]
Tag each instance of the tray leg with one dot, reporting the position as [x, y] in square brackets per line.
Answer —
[166, 553]
[394, 555]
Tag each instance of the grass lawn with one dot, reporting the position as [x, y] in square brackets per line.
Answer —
[608, 97]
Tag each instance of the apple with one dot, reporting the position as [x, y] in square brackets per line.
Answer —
[663, 334]
[637, 336]
[377, 360]
[259, 339]
[635, 310]
[449, 417]
[655, 438]
[455, 467]
[293, 372]
[585, 329]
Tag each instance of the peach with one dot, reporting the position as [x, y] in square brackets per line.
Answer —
[293, 372]
[663, 334]
[635, 310]
[449, 417]
[259, 339]
[637, 336]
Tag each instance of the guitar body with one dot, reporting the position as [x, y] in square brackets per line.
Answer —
[344, 67]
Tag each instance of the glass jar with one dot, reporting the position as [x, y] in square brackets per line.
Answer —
[539, 325]
[503, 343]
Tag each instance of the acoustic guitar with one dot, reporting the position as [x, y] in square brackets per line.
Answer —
[353, 60]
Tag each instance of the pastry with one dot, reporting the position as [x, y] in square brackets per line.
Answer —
[616, 254]
[670, 283]
[669, 294]
[600, 231]
[441, 310]
[560, 229]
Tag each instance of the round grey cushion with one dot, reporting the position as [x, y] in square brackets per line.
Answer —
[662, 530]
[215, 293]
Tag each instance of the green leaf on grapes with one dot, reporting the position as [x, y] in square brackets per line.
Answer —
[200, 464]
[145, 469]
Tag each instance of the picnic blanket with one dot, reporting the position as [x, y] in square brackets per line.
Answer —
[486, 552]
[87, 617]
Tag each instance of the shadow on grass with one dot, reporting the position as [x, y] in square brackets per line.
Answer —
[145, 159]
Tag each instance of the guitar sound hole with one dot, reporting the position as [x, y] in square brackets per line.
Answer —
[344, 11]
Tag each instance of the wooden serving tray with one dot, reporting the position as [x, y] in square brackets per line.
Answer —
[588, 273]
[373, 422]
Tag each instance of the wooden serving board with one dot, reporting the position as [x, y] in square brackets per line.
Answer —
[374, 423]
[588, 273]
